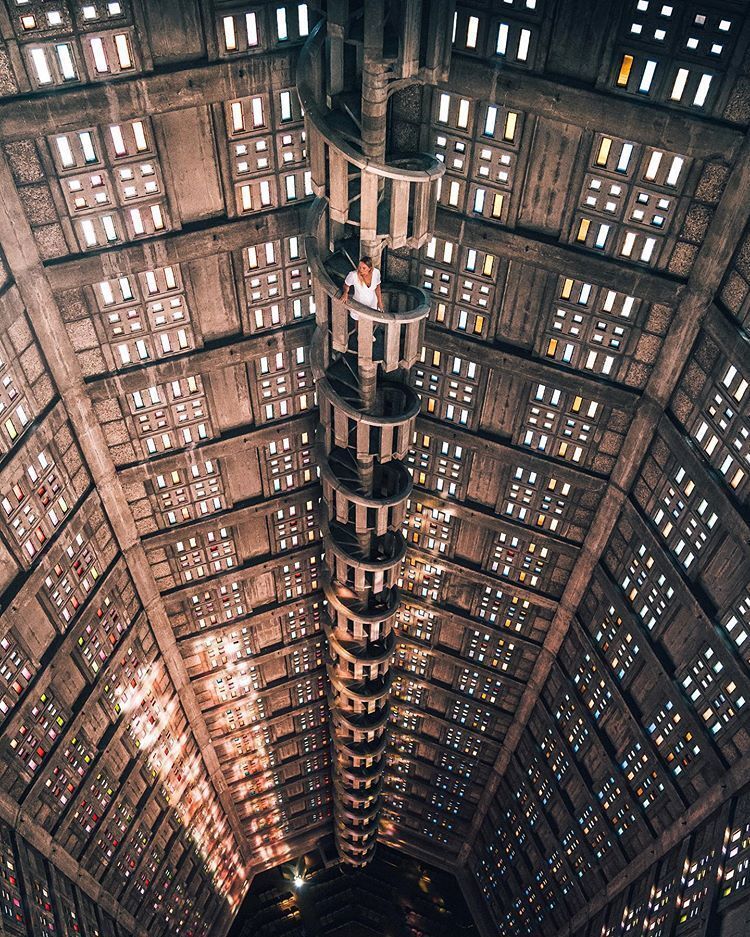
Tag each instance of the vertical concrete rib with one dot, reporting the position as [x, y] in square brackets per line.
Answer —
[361, 357]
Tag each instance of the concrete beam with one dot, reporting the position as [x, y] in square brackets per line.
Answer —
[420, 762]
[235, 352]
[451, 656]
[265, 695]
[237, 514]
[281, 766]
[464, 621]
[254, 567]
[422, 791]
[635, 120]
[503, 451]
[295, 847]
[247, 441]
[436, 717]
[430, 742]
[494, 358]
[406, 840]
[176, 247]
[278, 718]
[558, 258]
[255, 618]
[447, 694]
[156, 93]
[287, 803]
[482, 577]
[420, 853]
[236, 445]
[486, 518]
[264, 656]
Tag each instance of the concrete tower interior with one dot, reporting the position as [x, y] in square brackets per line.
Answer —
[412, 611]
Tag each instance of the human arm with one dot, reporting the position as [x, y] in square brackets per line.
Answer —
[376, 278]
[347, 286]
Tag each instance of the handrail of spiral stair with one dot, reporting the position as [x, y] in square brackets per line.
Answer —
[422, 302]
[431, 168]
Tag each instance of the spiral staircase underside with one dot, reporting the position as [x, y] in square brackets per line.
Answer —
[368, 201]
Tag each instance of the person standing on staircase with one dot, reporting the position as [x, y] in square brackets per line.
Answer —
[365, 284]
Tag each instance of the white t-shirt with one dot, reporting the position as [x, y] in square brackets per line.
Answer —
[361, 293]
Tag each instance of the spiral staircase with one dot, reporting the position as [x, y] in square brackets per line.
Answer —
[368, 201]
